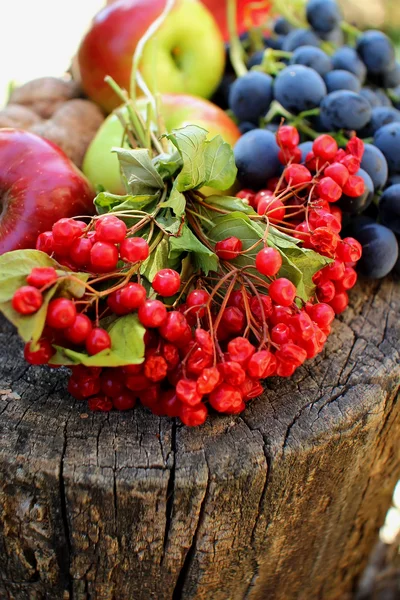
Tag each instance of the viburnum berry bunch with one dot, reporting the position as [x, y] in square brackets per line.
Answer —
[186, 303]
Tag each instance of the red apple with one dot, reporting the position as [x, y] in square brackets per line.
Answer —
[38, 186]
[250, 13]
[185, 55]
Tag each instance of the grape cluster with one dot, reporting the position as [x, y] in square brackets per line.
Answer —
[327, 78]
[209, 340]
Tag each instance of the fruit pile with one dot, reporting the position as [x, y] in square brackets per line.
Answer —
[322, 75]
[186, 302]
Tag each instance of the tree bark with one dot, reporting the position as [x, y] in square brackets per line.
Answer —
[283, 502]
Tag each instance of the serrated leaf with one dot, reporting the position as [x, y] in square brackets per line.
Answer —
[127, 347]
[203, 257]
[14, 268]
[140, 175]
[221, 169]
[169, 222]
[190, 141]
[230, 203]
[176, 201]
[106, 202]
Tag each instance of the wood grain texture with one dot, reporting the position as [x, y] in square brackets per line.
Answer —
[283, 502]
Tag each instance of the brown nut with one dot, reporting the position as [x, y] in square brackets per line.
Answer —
[45, 95]
[15, 115]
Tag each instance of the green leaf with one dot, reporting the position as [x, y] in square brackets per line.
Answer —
[106, 202]
[176, 201]
[221, 169]
[127, 347]
[157, 260]
[190, 141]
[14, 268]
[168, 222]
[203, 257]
[168, 164]
[140, 175]
[230, 203]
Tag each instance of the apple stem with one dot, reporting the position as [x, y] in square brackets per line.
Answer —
[139, 130]
[236, 50]
[136, 77]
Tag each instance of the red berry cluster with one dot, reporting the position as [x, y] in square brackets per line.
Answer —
[217, 337]
[302, 203]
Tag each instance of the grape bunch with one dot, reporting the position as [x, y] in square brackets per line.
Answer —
[208, 339]
[325, 77]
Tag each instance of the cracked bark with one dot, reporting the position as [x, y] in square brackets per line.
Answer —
[283, 502]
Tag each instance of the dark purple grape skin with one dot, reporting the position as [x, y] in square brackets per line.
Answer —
[256, 156]
[376, 51]
[380, 251]
[312, 57]
[345, 110]
[299, 88]
[387, 139]
[340, 79]
[375, 164]
[323, 15]
[357, 205]
[389, 208]
[347, 58]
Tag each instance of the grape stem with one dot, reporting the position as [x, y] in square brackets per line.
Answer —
[236, 50]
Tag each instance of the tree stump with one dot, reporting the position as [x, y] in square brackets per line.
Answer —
[283, 502]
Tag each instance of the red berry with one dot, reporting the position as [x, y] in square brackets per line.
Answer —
[79, 251]
[251, 388]
[262, 365]
[229, 248]
[290, 155]
[79, 330]
[271, 207]
[115, 305]
[322, 314]
[247, 195]
[150, 398]
[281, 314]
[302, 326]
[100, 403]
[328, 190]
[41, 356]
[338, 172]
[61, 313]
[287, 136]
[186, 391]
[268, 262]
[152, 313]
[171, 354]
[65, 231]
[103, 257]
[261, 307]
[170, 404]
[193, 417]
[334, 271]
[110, 228]
[325, 147]
[155, 368]
[297, 175]
[324, 240]
[132, 369]
[88, 387]
[292, 354]
[196, 300]
[232, 373]
[134, 249]
[226, 399]
[45, 242]
[81, 373]
[282, 291]
[97, 341]
[340, 302]
[27, 300]
[111, 382]
[325, 291]
[240, 350]
[348, 280]
[354, 187]
[124, 401]
[284, 369]
[208, 380]
[232, 320]
[174, 326]
[281, 334]
[349, 250]
[166, 282]
[356, 147]
[133, 295]
[204, 340]
[41, 276]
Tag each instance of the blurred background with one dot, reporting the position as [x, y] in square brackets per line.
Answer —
[40, 37]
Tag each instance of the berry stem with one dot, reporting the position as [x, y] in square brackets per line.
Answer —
[236, 50]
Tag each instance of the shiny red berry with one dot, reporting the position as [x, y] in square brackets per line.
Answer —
[229, 248]
[354, 187]
[240, 350]
[124, 401]
[152, 313]
[42, 276]
[174, 326]
[349, 250]
[282, 291]
[97, 341]
[271, 207]
[27, 300]
[325, 147]
[155, 368]
[226, 399]
[110, 228]
[61, 313]
[166, 282]
[268, 262]
[193, 417]
[281, 333]
[328, 190]
[187, 393]
[325, 291]
[45, 242]
[340, 302]
[65, 231]
[297, 174]
[287, 136]
[79, 330]
[79, 251]
[103, 257]
[41, 355]
[208, 380]
[100, 403]
[196, 301]
[338, 172]
[262, 365]
[133, 295]
[111, 382]
[134, 249]
[322, 314]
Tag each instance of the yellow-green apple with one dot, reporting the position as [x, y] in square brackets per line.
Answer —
[101, 165]
[38, 186]
[185, 55]
[250, 13]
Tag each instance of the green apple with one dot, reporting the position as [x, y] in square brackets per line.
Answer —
[101, 166]
[185, 55]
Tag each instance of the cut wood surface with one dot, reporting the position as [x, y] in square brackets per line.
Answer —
[283, 502]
